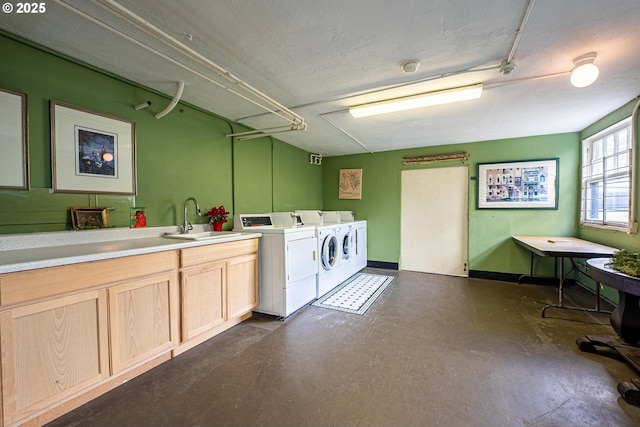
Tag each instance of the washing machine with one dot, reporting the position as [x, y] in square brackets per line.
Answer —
[333, 262]
[330, 266]
[287, 263]
[344, 233]
[353, 238]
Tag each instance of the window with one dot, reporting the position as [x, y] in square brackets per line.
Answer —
[606, 178]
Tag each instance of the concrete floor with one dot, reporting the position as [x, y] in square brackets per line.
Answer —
[432, 351]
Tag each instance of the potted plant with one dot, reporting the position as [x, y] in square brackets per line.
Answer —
[217, 217]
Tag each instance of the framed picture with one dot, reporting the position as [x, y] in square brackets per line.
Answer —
[350, 184]
[87, 218]
[14, 149]
[91, 152]
[530, 184]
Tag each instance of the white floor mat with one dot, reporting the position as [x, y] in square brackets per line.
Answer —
[356, 294]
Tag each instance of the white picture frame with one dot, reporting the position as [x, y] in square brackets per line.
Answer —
[14, 134]
[91, 152]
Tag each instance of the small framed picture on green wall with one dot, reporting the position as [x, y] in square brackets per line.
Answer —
[350, 186]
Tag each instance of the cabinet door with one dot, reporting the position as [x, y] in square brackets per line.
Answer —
[202, 294]
[51, 350]
[143, 320]
[242, 287]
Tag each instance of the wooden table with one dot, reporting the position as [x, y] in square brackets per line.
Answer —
[561, 248]
[625, 320]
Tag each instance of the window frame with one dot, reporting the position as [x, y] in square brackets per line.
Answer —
[603, 177]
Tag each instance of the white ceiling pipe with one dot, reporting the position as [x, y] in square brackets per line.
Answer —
[173, 102]
[242, 136]
[270, 105]
[267, 103]
[274, 129]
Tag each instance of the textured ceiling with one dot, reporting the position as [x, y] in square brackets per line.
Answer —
[318, 57]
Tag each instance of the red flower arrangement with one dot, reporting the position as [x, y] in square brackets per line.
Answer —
[217, 214]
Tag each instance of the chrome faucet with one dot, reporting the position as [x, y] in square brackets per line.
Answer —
[186, 226]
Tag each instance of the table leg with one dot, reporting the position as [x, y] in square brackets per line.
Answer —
[561, 283]
[523, 277]
[560, 289]
[561, 295]
[531, 265]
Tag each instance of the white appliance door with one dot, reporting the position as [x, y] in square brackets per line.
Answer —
[347, 246]
[302, 260]
[330, 252]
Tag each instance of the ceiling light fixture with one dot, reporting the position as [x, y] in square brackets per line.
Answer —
[585, 72]
[417, 101]
[410, 66]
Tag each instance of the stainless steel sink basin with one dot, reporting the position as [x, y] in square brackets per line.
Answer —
[207, 235]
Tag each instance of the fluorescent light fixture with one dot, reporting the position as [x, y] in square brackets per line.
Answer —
[417, 101]
[585, 72]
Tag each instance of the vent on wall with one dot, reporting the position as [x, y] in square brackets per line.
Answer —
[432, 158]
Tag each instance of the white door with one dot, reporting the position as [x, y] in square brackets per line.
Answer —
[434, 220]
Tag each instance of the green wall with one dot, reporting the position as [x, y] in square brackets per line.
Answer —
[490, 245]
[183, 154]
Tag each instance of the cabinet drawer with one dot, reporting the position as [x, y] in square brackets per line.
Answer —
[29, 285]
[208, 253]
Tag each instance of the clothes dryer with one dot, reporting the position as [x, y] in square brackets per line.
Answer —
[287, 263]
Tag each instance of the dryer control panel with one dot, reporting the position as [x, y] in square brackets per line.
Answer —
[251, 220]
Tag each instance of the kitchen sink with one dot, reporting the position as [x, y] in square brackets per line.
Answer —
[207, 235]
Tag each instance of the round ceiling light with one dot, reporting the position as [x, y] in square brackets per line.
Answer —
[585, 72]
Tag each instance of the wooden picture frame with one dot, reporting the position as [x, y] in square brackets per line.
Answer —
[91, 152]
[14, 150]
[350, 186]
[529, 184]
[89, 218]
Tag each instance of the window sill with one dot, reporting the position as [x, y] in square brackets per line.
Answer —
[626, 229]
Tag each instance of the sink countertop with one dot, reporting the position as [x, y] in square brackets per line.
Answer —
[72, 247]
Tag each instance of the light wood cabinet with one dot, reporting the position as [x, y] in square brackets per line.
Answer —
[67, 331]
[51, 350]
[219, 286]
[71, 333]
[242, 292]
[142, 320]
[203, 293]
